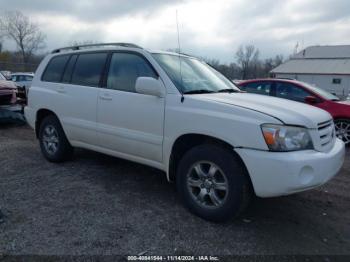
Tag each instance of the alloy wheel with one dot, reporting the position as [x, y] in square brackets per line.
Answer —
[342, 129]
[207, 184]
[50, 139]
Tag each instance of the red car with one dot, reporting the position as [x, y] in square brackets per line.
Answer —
[305, 93]
[8, 91]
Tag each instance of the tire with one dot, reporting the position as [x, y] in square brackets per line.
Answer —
[342, 128]
[53, 142]
[229, 174]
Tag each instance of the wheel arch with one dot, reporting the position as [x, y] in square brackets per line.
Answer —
[187, 141]
[40, 116]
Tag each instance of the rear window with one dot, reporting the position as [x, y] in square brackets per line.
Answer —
[54, 70]
[88, 69]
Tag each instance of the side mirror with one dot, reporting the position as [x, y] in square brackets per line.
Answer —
[311, 100]
[150, 86]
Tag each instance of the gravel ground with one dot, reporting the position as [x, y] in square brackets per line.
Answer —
[98, 204]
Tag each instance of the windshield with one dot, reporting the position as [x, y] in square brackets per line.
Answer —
[194, 75]
[321, 92]
[2, 77]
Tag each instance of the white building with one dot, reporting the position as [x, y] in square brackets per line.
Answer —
[327, 67]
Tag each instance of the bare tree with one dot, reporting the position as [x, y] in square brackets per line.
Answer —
[24, 32]
[247, 57]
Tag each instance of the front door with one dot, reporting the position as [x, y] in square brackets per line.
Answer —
[130, 123]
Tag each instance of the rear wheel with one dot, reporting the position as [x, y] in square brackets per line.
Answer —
[212, 183]
[342, 128]
[53, 141]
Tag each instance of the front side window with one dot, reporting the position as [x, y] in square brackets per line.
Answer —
[290, 91]
[54, 70]
[124, 69]
[190, 75]
[88, 69]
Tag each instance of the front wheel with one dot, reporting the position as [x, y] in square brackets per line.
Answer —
[212, 183]
[342, 129]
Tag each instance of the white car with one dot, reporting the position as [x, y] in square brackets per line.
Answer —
[22, 80]
[175, 113]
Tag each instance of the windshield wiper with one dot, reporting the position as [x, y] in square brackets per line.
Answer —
[198, 91]
[228, 90]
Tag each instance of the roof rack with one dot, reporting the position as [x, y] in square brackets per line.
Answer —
[78, 47]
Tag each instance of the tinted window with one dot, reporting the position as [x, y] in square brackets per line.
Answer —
[292, 92]
[55, 69]
[88, 69]
[125, 69]
[69, 69]
[262, 88]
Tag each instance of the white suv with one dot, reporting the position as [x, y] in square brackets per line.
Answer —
[176, 113]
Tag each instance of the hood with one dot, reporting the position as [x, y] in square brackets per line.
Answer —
[287, 111]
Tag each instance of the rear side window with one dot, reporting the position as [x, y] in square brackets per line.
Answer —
[54, 70]
[88, 69]
[261, 88]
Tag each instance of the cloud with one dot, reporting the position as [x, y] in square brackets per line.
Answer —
[208, 28]
[87, 10]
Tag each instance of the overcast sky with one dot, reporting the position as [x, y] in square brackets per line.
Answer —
[208, 28]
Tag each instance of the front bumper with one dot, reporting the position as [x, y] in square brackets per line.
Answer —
[284, 173]
[30, 116]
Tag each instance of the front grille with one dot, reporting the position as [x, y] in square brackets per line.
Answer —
[326, 132]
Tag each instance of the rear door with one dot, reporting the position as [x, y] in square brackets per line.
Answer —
[76, 91]
[130, 123]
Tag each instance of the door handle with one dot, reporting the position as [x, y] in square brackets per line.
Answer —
[106, 97]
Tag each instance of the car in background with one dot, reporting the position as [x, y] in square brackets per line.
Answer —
[8, 91]
[23, 82]
[305, 93]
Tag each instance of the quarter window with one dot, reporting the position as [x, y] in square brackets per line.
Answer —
[124, 69]
[54, 70]
[88, 69]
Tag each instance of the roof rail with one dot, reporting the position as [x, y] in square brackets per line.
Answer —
[78, 47]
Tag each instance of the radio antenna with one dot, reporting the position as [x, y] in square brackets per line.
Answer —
[179, 51]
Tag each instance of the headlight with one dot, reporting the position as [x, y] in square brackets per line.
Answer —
[286, 138]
